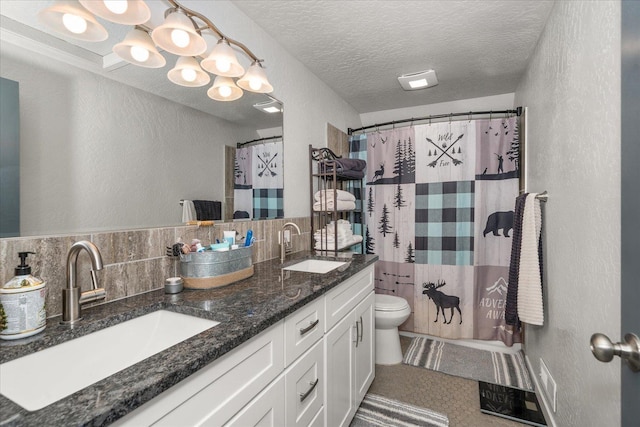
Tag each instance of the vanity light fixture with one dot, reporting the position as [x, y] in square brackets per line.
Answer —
[419, 80]
[187, 72]
[255, 79]
[131, 12]
[137, 48]
[222, 61]
[69, 18]
[224, 89]
[178, 34]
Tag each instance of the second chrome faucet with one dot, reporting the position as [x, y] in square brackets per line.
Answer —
[283, 245]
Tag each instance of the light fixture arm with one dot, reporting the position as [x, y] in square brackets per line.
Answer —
[213, 28]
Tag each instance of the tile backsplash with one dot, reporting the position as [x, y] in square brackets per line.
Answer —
[134, 261]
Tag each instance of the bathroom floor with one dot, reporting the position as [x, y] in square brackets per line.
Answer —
[456, 397]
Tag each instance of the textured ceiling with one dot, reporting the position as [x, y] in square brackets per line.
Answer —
[359, 48]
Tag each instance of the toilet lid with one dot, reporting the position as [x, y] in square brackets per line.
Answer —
[390, 303]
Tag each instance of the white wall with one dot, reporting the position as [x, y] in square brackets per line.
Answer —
[572, 91]
[308, 103]
[99, 155]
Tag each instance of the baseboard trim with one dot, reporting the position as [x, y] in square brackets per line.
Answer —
[542, 399]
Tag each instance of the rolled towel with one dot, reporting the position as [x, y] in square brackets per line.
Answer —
[329, 195]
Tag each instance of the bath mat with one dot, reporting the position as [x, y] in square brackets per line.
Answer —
[376, 410]
[480, 365]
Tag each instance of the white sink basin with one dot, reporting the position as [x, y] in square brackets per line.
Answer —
[44, 377]
[315, 266]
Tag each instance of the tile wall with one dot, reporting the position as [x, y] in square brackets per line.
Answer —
[134, 261]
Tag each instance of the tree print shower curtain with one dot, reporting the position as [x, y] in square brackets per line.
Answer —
[439, 213]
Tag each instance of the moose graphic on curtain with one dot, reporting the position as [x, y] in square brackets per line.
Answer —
[439, 214]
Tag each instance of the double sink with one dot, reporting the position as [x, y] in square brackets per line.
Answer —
[59, 371]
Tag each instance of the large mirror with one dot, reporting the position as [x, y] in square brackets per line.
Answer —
[106, 147]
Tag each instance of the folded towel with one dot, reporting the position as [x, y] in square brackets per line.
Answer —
[328, 205]
[208, 209]
[188, 211]
[345, 168]
[511, 308]
[342, 244]
[329, 195]
[530, 307]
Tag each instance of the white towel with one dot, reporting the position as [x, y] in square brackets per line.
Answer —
[327, 205]
[530, 307]
[328, 194]
[188, 211]
[342, 243]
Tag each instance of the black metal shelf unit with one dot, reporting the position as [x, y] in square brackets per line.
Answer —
[324, 177]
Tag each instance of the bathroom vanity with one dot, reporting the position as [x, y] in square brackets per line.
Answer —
[292, 348]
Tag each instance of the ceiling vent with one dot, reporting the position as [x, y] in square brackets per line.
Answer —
[419, 80]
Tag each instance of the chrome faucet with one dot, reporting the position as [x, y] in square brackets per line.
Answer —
[283, 246]
[72, 297]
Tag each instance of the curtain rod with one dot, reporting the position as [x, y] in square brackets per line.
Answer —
[240, 144]
[517, 111]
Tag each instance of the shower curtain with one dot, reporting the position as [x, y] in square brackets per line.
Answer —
[259, 182]
[438, 211]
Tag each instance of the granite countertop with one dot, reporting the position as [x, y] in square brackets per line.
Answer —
[244, 309]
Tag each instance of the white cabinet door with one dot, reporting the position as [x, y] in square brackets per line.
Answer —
[265, 410]
[365, 364]
[340, 376]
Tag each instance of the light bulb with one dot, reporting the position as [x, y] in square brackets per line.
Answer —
[224, 91]
[116, 6]
[74, 23]
[223, 65]
[180, 38]
[188, 74]
[255, 84]
[139, 53]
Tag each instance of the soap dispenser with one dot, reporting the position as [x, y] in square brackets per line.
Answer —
[22, 303]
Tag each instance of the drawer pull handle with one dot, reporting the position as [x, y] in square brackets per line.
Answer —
[310, 327]
[361, 329]
[306, 394]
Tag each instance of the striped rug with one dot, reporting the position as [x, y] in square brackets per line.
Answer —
[376, 410]
[481, 365]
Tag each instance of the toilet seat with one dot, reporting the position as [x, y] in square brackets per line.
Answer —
[390, 303]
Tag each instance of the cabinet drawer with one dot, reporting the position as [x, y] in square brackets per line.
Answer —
[304, 387]
[218, 391]
[266, 410]
[302, 329]
[343, 298]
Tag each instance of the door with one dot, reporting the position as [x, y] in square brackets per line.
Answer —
[630, 283]
[365, 349]
[340, 388]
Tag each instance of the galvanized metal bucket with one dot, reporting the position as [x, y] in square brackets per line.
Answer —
[214, 263]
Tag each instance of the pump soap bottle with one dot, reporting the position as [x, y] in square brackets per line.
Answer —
[22, 303]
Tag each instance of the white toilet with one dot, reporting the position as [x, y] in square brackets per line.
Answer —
[391, 312]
